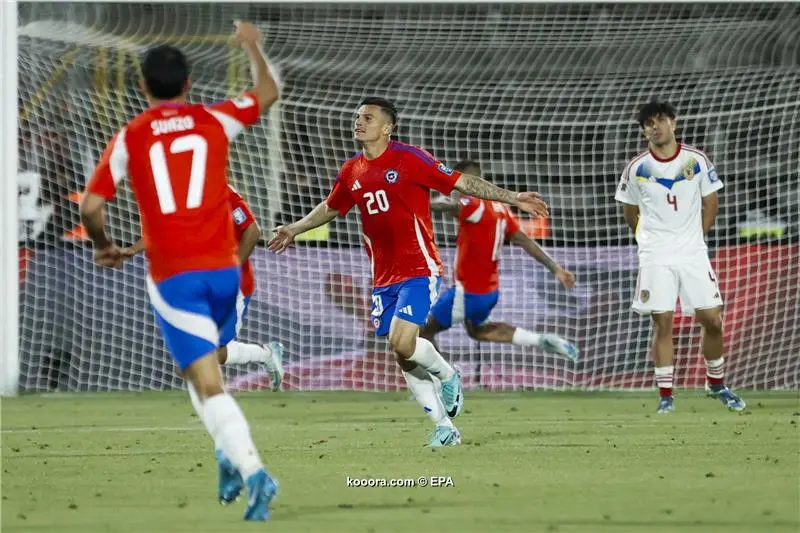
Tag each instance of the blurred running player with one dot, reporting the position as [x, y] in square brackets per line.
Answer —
[175, 155]
[483, 228]
[670, 201]
[390, 182]
[270, 355]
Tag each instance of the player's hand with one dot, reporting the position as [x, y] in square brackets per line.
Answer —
[109, 256]
[126, 254]
[246, 33]
[282, 239]
[566, 278]
[532, 202]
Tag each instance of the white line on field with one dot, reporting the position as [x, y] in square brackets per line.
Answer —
[90, 429]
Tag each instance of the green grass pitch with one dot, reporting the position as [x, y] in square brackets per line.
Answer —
[551, 462]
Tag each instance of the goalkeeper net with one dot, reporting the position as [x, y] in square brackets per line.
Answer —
[543, 96]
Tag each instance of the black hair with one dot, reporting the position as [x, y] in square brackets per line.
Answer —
[165, 70]
[465, 164]
[653, 108]
[385, 105]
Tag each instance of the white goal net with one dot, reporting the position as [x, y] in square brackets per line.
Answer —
[543, 96]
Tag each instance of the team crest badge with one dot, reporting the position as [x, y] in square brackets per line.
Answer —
[688, 172]
[644, 296]
[391, 176]
[376, 322]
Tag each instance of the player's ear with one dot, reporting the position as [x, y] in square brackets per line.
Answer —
[187, 86]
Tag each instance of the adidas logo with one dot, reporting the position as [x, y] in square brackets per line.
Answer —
[716, 295]
[355, 186]
[407, 310]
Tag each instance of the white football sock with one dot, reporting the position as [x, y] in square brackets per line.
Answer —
[240, 353]
[227, 425]
[425, 392]
[198, 408]
[426, 356]
[523, 337]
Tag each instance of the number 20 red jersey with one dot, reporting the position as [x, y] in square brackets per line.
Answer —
[392, 193]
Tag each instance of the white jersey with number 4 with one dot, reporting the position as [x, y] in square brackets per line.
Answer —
[669, 193]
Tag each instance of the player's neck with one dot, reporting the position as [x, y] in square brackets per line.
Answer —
[667, 151]
[373, 150]
[181, 100]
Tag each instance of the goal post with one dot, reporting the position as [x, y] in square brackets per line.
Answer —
[9, 269]
[541, 95]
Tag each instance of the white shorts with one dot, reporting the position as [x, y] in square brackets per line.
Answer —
[658, 287]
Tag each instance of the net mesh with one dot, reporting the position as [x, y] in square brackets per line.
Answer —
[541, 95]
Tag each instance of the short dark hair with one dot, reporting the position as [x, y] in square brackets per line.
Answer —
[165, 70]
[466, 164]
[653, 108]
[385, 105]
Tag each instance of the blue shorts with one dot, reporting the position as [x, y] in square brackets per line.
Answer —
[410, 300]
[196, 311]
[455, 306]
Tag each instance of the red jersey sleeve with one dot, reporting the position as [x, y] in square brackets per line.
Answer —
[432, 173]
[471, 209]
[242, 215]
[340, 197]
[237, 114]
[513, 224]
[112, 168]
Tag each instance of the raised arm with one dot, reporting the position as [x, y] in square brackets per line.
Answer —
[284, 235]
[265, 84]
[530, 202]
[533, 249]
[710, 211]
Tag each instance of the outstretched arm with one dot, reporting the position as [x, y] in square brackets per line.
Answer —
[533, 249]
[530, 202]
[284, 235]
[444, 204]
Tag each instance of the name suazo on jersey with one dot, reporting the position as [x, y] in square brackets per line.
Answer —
[176, 156]
[669, 193]
[483, 227]
[242, 219]
[393, 194]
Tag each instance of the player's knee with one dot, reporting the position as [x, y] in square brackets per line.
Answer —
[403, 347]
[713, 325]
[207, 389]
[662, 327]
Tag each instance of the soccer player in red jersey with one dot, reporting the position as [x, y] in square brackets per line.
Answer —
[483, 228]
[390, 182]
[239, 353]
[175, 155]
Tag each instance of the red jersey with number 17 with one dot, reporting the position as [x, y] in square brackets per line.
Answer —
[392, 193]
[242, 219]
[176, 157]
[483, 227]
